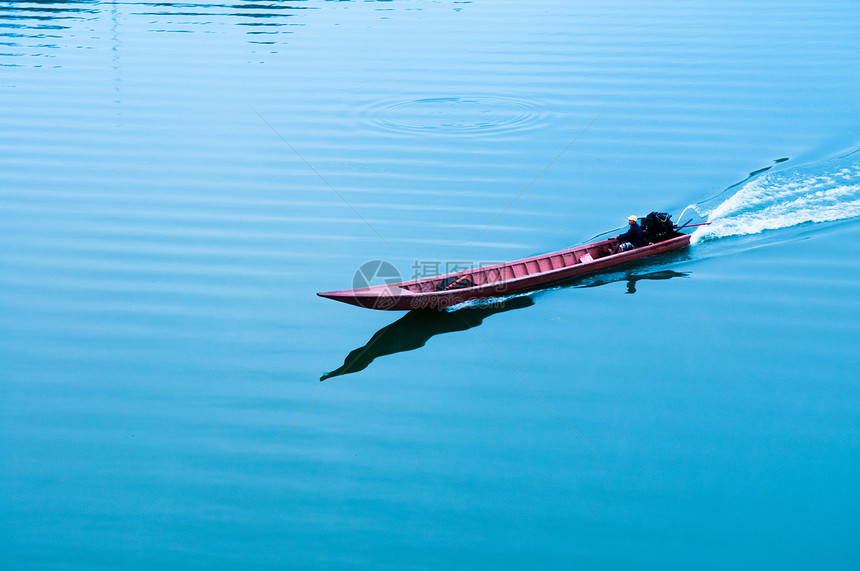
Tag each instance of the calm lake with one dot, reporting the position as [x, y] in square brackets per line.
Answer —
[178, 180]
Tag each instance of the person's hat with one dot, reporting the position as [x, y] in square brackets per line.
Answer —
[633, 218]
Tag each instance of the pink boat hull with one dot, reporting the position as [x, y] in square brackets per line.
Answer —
[501, 279]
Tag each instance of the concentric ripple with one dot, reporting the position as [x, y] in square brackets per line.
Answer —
[455, 115]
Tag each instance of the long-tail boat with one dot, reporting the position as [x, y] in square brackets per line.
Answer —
[446, 290]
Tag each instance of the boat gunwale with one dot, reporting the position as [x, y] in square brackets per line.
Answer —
[494, 285]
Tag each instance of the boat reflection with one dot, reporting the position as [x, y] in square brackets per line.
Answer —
[632, 278]
[34, 29]
[414, 329]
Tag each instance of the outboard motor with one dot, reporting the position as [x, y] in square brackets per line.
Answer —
[657, 227]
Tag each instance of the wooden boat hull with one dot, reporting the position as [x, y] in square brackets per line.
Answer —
[501, 279]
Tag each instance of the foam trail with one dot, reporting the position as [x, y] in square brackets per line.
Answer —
[821, 192]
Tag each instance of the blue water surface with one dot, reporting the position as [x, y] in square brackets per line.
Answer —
[178, 180]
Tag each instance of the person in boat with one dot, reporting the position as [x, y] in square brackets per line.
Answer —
[632, 238]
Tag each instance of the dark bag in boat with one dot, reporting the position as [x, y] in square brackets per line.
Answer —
[657, 227]
[454, 283]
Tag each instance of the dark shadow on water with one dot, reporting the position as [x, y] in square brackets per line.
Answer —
[631, 279]
[634, 272]
[413, 330]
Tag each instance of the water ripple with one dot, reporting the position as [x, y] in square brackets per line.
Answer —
[473, 115]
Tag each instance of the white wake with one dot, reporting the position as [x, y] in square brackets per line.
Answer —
[821, 192]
